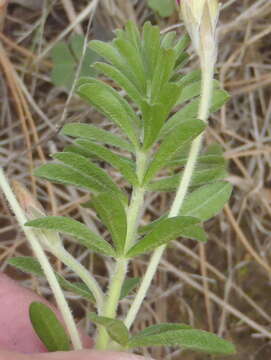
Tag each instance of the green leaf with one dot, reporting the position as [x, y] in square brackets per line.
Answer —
[182, 44]
[164, 8]
[153, 122]
[188, 339]
[190, 111]
[111, 54]
[168, 39]
[128, 286]
[207, 201]
[180, 62]
[133, 58]
[27, 264]
[168, 96]
[113, 215]
[62, 174]
[78, 150]
[48, 328]
[99, 178]
[65, 58]
[151, 46]
[147, 228]
[64, 65]
[207, 175]
[91, 132]
[212, 160]
[165, 231]
[182, 135]
[200, 177]
[192, 90]
[133, 34]
[120, 79]
[191, 77]
[74, 228]
[123, 164]
[30, 265]
[163, 71]
[219, 98]
[108, 101]
[77, 288]
[214, 149]
[195, 232]
[115, 328]
[77, 46]
[189, 92]
[161, 328]
[213, 156]
[154, 115]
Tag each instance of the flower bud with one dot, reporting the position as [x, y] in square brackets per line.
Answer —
[34, 210]
[200, 18]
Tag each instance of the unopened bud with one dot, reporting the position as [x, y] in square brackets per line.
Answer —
[34, 210]
[200, 18]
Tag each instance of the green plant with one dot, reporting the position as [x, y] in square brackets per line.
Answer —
[65, 58]
[159, 132]
[163, 7]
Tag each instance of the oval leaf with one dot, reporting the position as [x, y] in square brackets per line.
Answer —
[164, 231]
[161, 328]
[207, 201]
[190, 111]
[121, 80]
[108, 101]
[183, 134]
[190, 339]
[200, 177]
[128, 286]
[81, 232]
[123, 164]
[99, 178]
[133, 59]
[91, 132]
[62, 174]
[48, 328]
[111, 54]
[30, 265]
[115, 328]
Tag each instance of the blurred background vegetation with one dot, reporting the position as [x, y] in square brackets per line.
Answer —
[40, 48]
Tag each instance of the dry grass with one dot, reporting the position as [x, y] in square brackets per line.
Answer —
[237, 257]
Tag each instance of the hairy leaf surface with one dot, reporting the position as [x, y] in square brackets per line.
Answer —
[112, 213]
[115, 328]
[164, 231]
[207, 201]
[74, 228]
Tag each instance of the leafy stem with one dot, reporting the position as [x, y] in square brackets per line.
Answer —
[206, 95]
[116, 282]
[63, 255]
[147, 88]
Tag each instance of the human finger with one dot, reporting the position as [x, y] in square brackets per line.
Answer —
[16, 332]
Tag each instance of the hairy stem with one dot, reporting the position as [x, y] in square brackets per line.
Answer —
[206, 93]
[63, 255]
[42, 258]
[121, 266]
